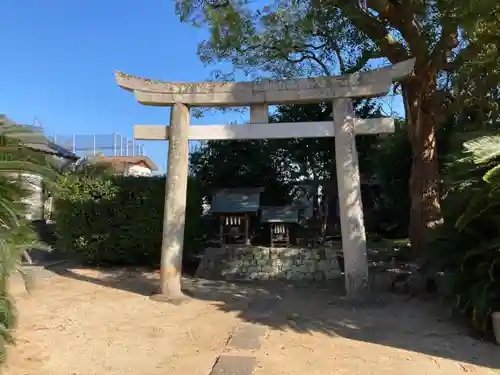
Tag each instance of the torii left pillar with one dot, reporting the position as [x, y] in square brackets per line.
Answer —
[174, 216]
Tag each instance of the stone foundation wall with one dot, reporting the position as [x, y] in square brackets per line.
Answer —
[263, 263]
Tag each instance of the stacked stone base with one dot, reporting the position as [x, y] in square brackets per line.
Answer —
[242, 262]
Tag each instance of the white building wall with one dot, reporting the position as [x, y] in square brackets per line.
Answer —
[139, 170]
[34, 201]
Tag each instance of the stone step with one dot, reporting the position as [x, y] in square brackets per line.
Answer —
[247, 337]
[234, 365]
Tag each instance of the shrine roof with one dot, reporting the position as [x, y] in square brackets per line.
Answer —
[238, 200]
[280, 214]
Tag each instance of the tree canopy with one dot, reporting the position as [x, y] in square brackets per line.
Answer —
[289, 38]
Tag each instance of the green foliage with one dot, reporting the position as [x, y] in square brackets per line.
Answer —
[270, 162]
[93, 167]
[116, 220]
[227, 164]
[278, 164]
[390, 160]
[16, 234]
[454, 43]
[478, 70]
[311, 37]
[484, 149]
[468, 245]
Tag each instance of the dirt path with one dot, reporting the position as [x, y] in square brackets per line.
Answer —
[71, 327]
[87, 323]
[324, 334]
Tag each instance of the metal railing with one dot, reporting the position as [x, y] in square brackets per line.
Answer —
[103, 144]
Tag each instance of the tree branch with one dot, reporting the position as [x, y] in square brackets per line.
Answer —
[216, 4]
[362, 61]
[400, 17]
[336, 49]
[443, 48]
[376, 31]
[463, 56]
[321, 46]
[306, 55]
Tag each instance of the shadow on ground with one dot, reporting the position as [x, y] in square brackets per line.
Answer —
[387, 319]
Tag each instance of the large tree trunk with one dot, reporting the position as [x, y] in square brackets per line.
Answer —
[425, 211]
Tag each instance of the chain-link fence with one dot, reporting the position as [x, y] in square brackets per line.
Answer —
[99, 144]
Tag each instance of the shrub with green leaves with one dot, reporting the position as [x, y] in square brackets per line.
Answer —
[467, 246]
[116, 220]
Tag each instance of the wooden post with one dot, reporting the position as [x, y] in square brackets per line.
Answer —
[351, 207]
[221, 230]
[175, 206]
[247, 230]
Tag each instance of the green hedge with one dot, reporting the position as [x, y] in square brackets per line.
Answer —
[118, 220]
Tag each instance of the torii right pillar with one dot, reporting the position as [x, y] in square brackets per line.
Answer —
[350, 204]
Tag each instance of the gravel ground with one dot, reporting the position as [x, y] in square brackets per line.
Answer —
[86, 322]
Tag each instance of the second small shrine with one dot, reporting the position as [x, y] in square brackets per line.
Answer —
[280, 219]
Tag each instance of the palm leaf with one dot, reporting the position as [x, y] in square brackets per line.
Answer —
[479, 204]
[493, 267]
[16, 235]
[484, 149]
[493, 175]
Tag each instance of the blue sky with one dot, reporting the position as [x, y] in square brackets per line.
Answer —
[60, 55]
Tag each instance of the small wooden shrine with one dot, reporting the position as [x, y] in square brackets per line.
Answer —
[235, 209]
[280, 220]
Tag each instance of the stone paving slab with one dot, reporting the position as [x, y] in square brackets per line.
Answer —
[234, 365]
[247, 337]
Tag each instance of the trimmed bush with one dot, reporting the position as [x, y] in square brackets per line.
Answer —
[118, 220]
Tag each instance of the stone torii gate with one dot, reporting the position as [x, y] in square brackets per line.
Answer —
[258, 96]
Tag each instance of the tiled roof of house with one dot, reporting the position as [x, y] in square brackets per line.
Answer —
[49, 147]
[121, 162]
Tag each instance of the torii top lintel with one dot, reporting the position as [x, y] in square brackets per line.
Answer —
[372, 83]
